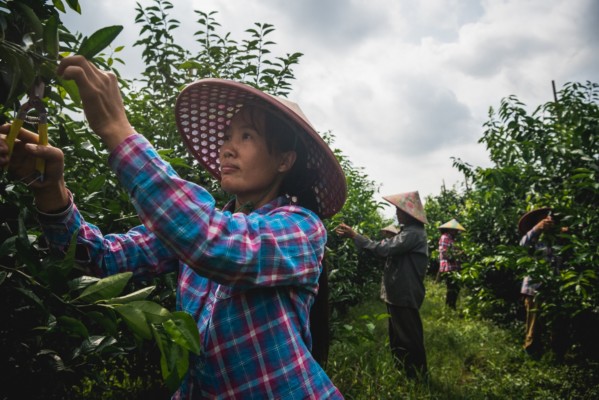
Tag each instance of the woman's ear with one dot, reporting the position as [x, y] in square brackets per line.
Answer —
[287, 160]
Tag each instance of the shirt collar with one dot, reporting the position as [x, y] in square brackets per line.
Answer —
[268, 207]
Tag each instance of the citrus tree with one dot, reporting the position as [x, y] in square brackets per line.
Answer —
[545, 158]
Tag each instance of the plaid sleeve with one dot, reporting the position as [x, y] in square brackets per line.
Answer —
[283, 247]
[444, 244]
[138, 250]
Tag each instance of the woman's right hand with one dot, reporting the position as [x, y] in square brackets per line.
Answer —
[545, 224]
[50, 193]
[345, 231]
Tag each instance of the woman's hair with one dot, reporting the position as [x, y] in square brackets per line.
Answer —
[298, 182]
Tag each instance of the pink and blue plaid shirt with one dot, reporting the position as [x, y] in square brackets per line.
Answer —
[447, 263]
[248, 280]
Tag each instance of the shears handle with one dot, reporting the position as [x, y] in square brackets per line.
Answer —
[40, 163]
[12, 136]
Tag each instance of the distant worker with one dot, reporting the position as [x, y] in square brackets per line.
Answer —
[450, 260]
[537, 228]
[403, 280]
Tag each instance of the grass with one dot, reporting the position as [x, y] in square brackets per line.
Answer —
[467, 359]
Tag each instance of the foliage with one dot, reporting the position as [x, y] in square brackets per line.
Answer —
[548, 158]
[351, 271]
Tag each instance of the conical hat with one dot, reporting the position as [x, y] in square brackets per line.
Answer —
[410, 203]
[204, 110]
[391, 229]
[532, 218]
[453, 224]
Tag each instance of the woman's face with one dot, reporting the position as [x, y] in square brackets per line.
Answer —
[248, 169]
[402, 217]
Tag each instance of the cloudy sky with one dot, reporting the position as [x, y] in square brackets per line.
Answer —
[404, 85]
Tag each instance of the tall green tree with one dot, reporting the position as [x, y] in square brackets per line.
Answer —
[545, 158]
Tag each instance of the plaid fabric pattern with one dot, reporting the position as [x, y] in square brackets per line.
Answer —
[248, 280]
[446, 262]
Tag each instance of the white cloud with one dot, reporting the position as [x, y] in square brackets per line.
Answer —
[403, 85]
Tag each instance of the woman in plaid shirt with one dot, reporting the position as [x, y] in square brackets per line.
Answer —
[449, 260]
[247, 273]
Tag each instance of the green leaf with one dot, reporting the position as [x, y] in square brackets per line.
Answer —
[106, 288]
[70, 87]
[82, 282]
[59, 5]
[34, 22]
[96, 344]
[73, 326]
[174, 360]
[54, 359]
[154, 312]
[8, 246]
[74, 5]
[183, 330]
[98, 41]
[29, 293]
[108, 323]
[51, 37]
[135, 319]
[131, 297]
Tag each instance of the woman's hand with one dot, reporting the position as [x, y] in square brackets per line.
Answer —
[345, 231]
[101, 98]
[545, 224]
[51, 193]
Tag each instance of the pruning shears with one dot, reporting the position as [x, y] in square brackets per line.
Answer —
[34, 102]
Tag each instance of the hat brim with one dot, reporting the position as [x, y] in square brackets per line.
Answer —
[445, 228]
[204, 110]
[390, 229]
[452, 225]
[531, 218]
[417, 211]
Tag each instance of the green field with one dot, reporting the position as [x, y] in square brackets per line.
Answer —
[468, 359]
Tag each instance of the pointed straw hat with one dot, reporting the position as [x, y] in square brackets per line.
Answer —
[204, 110]
[531, 218]
[453, 224]
[410, 203]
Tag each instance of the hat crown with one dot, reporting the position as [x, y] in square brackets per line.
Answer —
[410, 203]
[453, 224]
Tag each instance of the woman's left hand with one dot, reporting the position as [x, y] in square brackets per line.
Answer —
[101, 98]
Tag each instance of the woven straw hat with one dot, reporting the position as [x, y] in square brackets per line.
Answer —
[391, 229]
[410, 203]
[453, 224]
[531, 218]
[204, 110]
